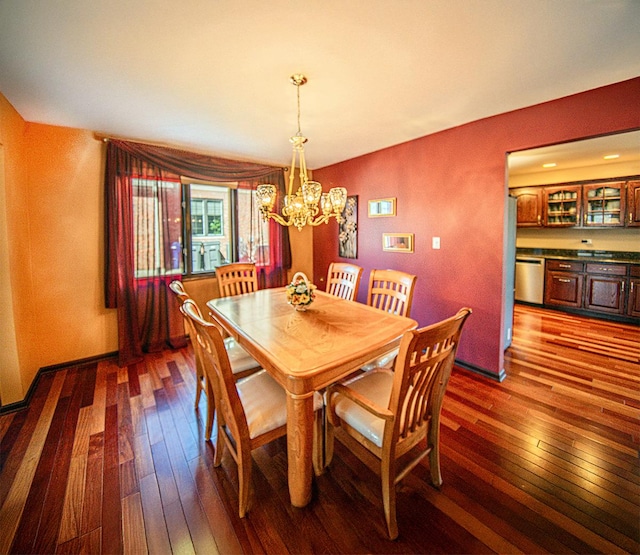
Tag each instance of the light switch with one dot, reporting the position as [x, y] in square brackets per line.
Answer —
[435, 242]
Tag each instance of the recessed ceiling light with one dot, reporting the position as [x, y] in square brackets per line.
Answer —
[611, 156]
[549, 165]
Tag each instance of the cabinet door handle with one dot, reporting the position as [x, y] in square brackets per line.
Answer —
[564, 265]
[564, 280]
[539, 219]
[622, 288]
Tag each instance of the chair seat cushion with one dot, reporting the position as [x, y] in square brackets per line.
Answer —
[265, 403]
[238, 357]
[374, 385]
[384, 361]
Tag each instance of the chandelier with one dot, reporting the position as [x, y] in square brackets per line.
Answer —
[303, 207]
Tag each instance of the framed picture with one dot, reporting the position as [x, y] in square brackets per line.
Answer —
[397, 242]
[348, 229]
[382, 207]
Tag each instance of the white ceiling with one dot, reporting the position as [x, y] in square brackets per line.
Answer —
[585, 153]
[214, 75]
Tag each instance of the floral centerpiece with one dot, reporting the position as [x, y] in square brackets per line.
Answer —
[300, 292]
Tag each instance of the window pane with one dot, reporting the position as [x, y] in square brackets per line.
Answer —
[157, 227]
[210, 246]
[197, 221]
[214, 217]
[253, 232]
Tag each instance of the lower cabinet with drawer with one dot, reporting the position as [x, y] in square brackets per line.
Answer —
[594, 288]
[606, 288]
[563, 284]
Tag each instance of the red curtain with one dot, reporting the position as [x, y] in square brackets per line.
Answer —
[148, 319]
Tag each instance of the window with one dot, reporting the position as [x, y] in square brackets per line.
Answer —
[207, 216]
[192, 228]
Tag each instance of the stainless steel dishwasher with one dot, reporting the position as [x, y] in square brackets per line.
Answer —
[529, 279]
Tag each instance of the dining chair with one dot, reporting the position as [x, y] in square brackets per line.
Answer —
[250, 412]
[390, 414]
[391, 291]
[237, 278]
[242, 363]
[343, 280]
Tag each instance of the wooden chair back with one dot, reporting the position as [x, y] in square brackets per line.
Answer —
[218, 370]
[343, 280]
[236, 279]
[421, 375]
[177, 287]
[391, 291]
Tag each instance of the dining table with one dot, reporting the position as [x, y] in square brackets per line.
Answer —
[305, 351]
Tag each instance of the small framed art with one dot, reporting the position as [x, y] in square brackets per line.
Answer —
[382, 207]
[397, 242]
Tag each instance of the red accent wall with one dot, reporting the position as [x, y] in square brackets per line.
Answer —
[452, 185]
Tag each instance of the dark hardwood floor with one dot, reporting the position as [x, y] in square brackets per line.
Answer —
[111, 460]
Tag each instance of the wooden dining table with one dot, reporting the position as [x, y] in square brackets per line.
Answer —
[305, 352]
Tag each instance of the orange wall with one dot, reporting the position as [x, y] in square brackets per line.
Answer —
[452, 185]
[54, 206]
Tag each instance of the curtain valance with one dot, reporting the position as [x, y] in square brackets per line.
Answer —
[198, 166]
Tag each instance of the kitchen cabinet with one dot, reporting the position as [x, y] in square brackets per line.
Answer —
[564, 283]
[614, 203]
[633, 306]
[633, 203]
[563, 205]
[606, 288]
[604, 204]
[529, 206]
[594, 288]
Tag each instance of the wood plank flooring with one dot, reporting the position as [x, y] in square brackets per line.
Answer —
[112, 460]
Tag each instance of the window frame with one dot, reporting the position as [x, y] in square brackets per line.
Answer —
[187, 247]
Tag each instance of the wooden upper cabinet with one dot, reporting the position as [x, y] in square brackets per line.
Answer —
[633, 204]
[529, 203]
[604, 204]
[563, 205]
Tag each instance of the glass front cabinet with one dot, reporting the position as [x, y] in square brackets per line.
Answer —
[563, 205]
[604, 204]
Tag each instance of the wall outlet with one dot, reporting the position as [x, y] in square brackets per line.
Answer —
[586, 241]
[435, 242]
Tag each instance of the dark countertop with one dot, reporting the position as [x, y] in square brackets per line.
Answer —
[583, 255]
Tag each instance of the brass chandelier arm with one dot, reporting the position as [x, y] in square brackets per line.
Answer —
[278, 219]
[323, 219]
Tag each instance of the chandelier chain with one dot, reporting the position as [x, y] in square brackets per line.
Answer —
[298, 94]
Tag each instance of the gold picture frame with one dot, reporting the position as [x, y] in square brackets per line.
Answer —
[397, 242]
[382, 208]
